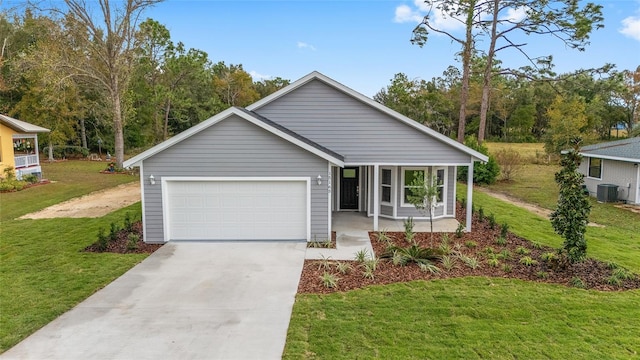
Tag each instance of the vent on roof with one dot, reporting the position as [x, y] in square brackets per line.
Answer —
[607, 193]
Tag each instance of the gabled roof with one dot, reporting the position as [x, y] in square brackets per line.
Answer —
[253, 118]
[368, 101]
[21, 126]
[622, 150]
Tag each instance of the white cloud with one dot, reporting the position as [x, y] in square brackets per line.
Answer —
[439, 20]
[516, 14]
[631, 27]
[304, 45]
[256, 76]
[405, 14]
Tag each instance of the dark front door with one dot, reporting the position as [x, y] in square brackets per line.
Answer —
[349, 189]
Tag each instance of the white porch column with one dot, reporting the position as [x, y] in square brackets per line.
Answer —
[376, 196]
[37, 149]
[469, 196]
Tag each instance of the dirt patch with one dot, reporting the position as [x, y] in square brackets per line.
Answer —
[632, 208]
[96, 204]
[540, 211]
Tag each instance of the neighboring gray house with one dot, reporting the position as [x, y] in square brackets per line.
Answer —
[280, 167]
[614, 162]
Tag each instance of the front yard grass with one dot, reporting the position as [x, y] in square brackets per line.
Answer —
[467, 318]
[43, 270]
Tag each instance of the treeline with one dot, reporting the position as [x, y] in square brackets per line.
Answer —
[524, 110]
[60, 72]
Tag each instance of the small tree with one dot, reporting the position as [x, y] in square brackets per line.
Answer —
[571, 217]
[423, 195]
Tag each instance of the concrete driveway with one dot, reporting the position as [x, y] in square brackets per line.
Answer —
[191, 300]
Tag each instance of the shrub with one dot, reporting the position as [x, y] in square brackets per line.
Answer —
[325, 263]
[448, 262]
[414, 253]
[542, 275]
[492, 221]
[459, 231]
[480, 214]
[577, 282]
[502, 241]
[493, 262]
[362, 255]
[30, 178]
[548, 257]
[510, 163]
[382, 236]
[343, 267]
[128, 224]
[113, 232]
[504, 230]
[329, 280]
[132, 243]
[470, 244]
[504, 255]
[522, 250]
[408, 229]
[470, 261]
[528, 261]
[506, 268]
[429, 267]
[482, 173]
[103, 240]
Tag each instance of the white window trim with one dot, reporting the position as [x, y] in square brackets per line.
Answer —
[445, 185]
[402, 172]
[429, 170]
[390, 186]
[589, 168]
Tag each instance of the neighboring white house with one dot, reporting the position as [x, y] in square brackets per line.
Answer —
[613, 163]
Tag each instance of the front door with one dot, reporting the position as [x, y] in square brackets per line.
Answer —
[349, 188]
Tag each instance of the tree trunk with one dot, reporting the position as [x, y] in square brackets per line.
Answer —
[117, 124]
[466, 70]
[488, 73]
[167, 108]
[51, 159]
[83, 133]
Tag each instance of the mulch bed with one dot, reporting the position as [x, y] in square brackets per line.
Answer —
[121, 244]
[590, 274]
[324, 244]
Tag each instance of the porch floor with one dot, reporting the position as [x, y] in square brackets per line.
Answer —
[347, 221]
[352, 234]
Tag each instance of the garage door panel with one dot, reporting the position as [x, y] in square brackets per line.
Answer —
[243, 210]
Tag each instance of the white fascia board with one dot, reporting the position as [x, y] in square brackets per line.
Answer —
[607, 157]
[372, 103]
[136, 160]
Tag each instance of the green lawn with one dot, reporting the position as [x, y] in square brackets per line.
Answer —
[468, 318]
[43, 270]
[473, 318]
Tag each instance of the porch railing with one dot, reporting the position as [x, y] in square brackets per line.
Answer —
[26, 161]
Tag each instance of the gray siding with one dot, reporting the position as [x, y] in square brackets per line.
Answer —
[235, 148]
[621, 173]
[355, 130]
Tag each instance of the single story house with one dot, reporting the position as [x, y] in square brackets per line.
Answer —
[614, 162]
[278, 168]
[19, 146]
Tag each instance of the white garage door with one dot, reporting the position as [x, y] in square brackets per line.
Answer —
[236, 210]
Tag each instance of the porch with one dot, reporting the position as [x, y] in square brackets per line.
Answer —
[350, 221]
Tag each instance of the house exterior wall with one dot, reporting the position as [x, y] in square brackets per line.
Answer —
[6, 148]
[621, 173]
[362, 134]
[234, 148]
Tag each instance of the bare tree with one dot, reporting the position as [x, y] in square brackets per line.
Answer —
[103, 51]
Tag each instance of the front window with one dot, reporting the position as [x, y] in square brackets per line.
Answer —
[409, 176]
[595, 168]
[386, 186]
[440, 185]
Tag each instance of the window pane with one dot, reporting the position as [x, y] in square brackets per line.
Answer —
[349, 173]
[409, 175]
[386, 176]
[440, 176]
[595, 168]
[440, 196]
[386, 194]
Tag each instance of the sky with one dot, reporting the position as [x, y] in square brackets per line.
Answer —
[363, 44]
